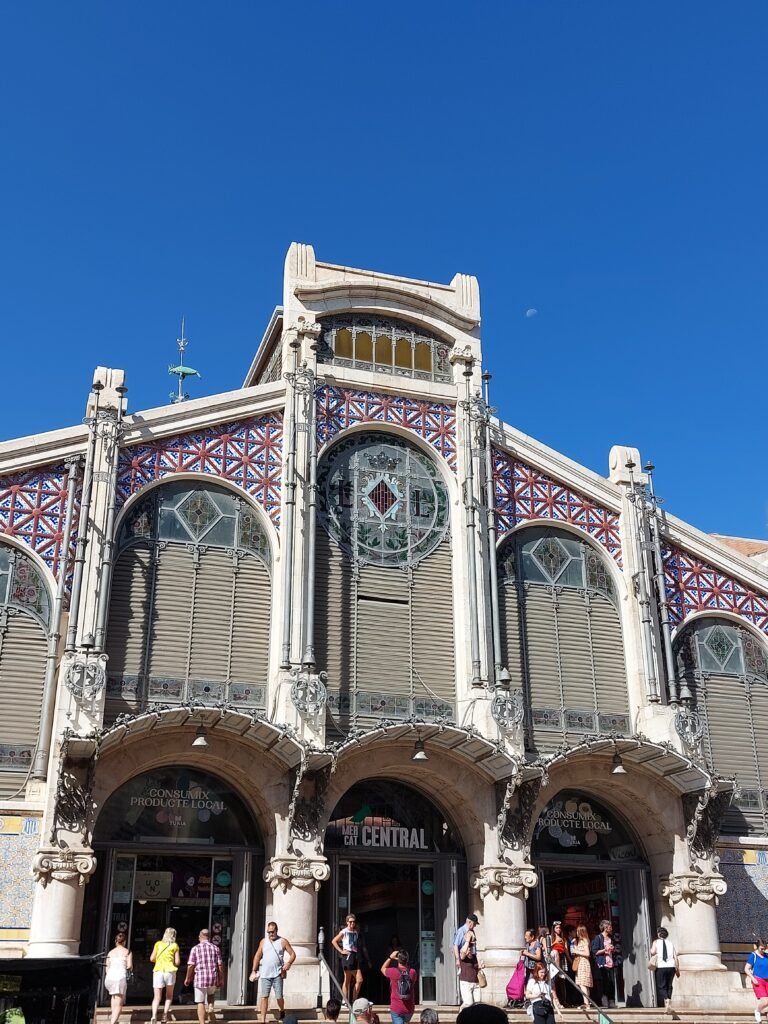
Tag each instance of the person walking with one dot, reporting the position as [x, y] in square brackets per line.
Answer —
[119, 962]
[460, 936]
[271, 967]
[756, 969]
[667, 966]
[166, 959]
[582, 965]
[350, 946]
[402, 986]
[542, 998]
[531, 952]
[602, 951]
[469, 966]
[206, 970]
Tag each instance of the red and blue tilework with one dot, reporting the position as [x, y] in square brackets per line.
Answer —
[434, 422]
[524, 493]
[33, 506]
[695, 586]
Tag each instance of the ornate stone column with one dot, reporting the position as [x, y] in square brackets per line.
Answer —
[61, 877]
[295, 882]
[693, 897]
[503, 889]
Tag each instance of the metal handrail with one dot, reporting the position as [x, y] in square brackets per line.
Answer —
[603, 1017]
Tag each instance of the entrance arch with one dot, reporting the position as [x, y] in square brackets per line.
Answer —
[177, 847]
[398, 863]
[592, 867]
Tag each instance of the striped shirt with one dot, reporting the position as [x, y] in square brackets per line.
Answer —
[206, 959]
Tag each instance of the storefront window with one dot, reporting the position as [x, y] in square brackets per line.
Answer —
[175, 805]
[385, 815]
[577, 826]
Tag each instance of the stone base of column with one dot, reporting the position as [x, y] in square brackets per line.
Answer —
[719, 989]
[301, 985]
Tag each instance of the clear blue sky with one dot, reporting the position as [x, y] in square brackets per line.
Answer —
[601, 162]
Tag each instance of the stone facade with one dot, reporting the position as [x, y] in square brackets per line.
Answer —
[518, 536]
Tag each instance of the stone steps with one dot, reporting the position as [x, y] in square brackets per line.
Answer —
[447, 1014]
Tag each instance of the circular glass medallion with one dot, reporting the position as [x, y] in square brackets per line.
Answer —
[382, 500]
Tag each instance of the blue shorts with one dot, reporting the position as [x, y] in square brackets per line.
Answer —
[267, 985]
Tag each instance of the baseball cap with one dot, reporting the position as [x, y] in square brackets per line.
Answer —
[472, 917]
[361, 1006]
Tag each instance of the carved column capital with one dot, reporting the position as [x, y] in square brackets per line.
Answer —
[303, 872]
[58, 865]
[689, 886]
[497, 879]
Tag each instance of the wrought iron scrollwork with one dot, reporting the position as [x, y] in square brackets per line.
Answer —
[516, 802]
[508, 709]
[704, 812]
[307, 807]
[85, 675]
[308, 691]
[74, 807]
[689, 726]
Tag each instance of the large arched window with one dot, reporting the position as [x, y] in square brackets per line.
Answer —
[561, 636]
[191, 601]
[25, 613]
[726, 669]
[384, 345]
[384, 595]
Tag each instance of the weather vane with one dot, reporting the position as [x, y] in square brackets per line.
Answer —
[181, 371]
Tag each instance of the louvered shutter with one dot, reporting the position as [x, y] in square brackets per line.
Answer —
[608, 654]
[434, 660]
[512, 653]
[334, 613]
[383, 646]
[212, 615]
[23, 648]
[129, 604]
[250, 622]
[575, 650]
[729, 741]
[171, 613]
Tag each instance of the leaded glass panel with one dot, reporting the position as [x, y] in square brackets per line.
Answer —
[186, 513]
[21, 584]
[382, 501]
[555, 558]
[720, 648]
[386, 345]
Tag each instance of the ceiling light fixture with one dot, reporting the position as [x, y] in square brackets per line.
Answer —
[419, 753]
[200, 740]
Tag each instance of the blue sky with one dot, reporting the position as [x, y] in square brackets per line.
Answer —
[601, 162]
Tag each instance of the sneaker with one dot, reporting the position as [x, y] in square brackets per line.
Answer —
[758, 1016]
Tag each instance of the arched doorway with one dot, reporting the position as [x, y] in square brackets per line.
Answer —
[592, 868]
[177, 848]
[397, 862]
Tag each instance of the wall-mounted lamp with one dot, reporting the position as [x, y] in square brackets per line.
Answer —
[419, 753]
[200, 740]
[504, 679]
[617, 766]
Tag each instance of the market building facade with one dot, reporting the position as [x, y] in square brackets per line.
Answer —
[343, 640]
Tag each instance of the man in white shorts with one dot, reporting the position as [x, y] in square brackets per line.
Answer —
[205, 968]
[271, 962]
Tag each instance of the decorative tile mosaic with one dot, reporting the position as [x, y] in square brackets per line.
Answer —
[339, 408]
[524, 493]
[247, 453]
[743, 911]
[19, 841]
[33, 507]
[695, 586]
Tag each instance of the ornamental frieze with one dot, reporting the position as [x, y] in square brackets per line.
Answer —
[690, 886]
[303, 872]
[63, 865]
[498, 880]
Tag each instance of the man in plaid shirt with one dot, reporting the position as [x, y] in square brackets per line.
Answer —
[206, 969]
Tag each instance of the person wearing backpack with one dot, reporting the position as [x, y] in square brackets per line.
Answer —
[402, 986]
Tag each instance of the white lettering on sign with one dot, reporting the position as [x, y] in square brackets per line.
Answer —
[197, 799]
[379, 836]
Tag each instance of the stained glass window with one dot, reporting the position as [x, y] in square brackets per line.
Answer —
[720, 647]
[188, 513]
[386, 345]
[556, 558]
[21, 584]
[382, 500]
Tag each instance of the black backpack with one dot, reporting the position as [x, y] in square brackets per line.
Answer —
[404, 984]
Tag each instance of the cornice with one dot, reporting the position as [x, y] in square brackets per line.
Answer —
[396, 293]
[556, 465]
[57, 446]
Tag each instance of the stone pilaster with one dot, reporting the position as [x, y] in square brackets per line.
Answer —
[503, 889]
[295, 882]
[61, 876]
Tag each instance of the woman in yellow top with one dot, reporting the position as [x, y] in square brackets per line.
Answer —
[166, 958]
